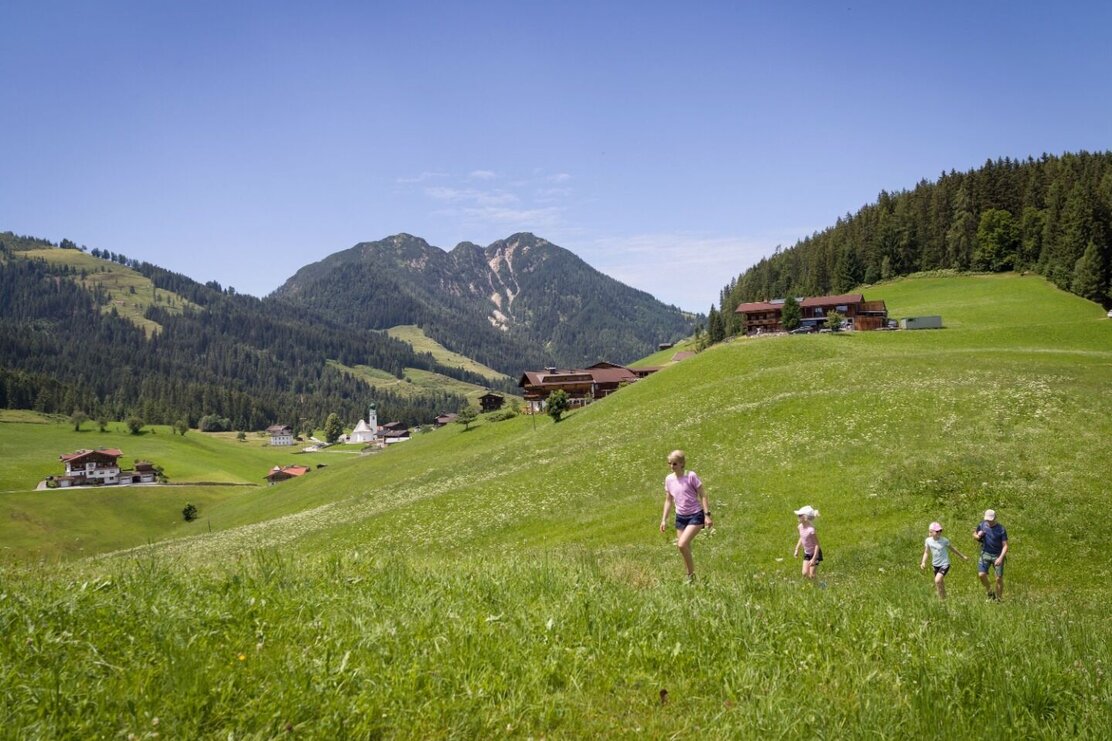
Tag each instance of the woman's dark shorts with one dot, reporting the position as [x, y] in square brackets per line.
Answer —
[682, 521]
[942, 569]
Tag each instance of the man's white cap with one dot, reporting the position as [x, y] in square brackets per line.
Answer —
[990, 515]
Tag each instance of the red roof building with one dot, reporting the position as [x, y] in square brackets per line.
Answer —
[285, 473]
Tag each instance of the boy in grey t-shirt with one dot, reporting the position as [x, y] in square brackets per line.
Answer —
[938, 549]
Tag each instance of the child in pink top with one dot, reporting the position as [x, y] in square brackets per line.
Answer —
[808, 541]
[685, 490]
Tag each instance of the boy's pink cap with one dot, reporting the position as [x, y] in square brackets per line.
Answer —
[935, 527]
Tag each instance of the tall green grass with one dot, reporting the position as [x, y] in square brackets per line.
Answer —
[509, 580]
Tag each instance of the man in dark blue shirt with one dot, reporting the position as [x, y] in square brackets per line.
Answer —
[994, 549]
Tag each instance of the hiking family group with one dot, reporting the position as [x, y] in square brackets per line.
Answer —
[684, 490]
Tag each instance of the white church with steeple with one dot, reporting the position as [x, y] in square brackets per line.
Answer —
[367, 430]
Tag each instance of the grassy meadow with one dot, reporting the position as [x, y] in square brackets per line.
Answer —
[202, 469]
[130, 292]
[510, 581]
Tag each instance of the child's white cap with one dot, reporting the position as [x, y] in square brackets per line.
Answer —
[935, 527]
[990, 515]
[807, 511]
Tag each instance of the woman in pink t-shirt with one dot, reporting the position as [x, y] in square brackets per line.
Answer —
[685, 490]
[808, 541]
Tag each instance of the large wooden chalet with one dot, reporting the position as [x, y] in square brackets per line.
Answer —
[582, 385]
[760, 317]
[101, 467]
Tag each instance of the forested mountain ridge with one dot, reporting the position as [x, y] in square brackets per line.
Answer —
[66, 347]
[520, 302]
[1051, 215]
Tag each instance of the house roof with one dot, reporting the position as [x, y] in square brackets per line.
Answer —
[612, 374]
[603, 372]
[756, 306]
[279, 429]
[107, 452]
[362, 427]
[287, 471]
[847, 298]
[542, 378]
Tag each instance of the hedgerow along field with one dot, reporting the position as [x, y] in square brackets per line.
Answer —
[509, 580]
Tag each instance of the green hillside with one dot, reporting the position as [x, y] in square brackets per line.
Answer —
[202, 469]
[421, 342]
[509, 580]
[130, 293]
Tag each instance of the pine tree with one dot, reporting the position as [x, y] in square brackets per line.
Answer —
[716, 329]
[1088, 275]
[791, 316]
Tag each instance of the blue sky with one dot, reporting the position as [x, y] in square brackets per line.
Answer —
[670, 145]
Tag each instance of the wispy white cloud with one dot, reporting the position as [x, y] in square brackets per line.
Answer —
[471, 195]
[487, 201]
[516, 219]
[687, 270]
[423, 177]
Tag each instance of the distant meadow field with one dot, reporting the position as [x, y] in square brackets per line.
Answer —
[509, 580]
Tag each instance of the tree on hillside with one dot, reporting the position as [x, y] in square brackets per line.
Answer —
[102, 422]
[716, 328]
[557, 404]
[834, 320]
[78, 418]
[998, 241]
[181, 427]
[1088, 275]
[467, 417]
[135, 424]
[333, 428]
[791, 316]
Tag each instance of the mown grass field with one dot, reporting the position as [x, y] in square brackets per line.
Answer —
[416, 382]
[509, 580]
[421, 342]
[130, 292]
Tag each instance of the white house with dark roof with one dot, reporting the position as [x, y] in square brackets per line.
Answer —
[280, 434]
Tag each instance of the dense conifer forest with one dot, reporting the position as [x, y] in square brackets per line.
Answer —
[1051, 215]
[245, 362]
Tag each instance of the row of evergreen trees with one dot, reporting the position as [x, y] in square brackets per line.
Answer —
[63, 349]
[1051, 215]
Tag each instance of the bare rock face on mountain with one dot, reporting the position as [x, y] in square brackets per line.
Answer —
[520, 302]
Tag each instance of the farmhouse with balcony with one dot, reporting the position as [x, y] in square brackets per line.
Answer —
[760, 317]
[101, 467]
[582, 385]
[280, 434]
